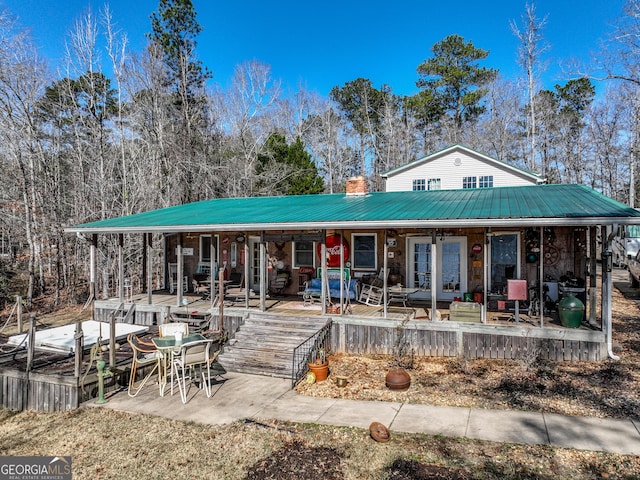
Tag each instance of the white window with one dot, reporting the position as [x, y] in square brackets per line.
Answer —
[434, 184]
[303, 254]
[486, 181]
[364, 251]
[469, 182]
[419, 184]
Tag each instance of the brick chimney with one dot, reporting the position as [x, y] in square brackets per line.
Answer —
[357, 186]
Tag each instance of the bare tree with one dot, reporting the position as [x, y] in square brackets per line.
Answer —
[606, 131]
[499, 132]
[22, 78]
[245, 117]
[530, 51]
[324, 135]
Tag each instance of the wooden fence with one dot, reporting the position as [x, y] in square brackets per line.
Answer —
[461, 339]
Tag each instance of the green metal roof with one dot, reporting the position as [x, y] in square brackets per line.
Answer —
[490, 207]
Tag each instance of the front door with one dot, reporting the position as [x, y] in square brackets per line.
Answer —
[419, 267]
[451, 262]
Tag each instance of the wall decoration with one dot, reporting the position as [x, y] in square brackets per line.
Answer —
[333, 250]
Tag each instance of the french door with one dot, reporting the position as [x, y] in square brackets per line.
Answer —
[451, 278]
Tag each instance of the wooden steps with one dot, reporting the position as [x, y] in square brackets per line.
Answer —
[264, 344]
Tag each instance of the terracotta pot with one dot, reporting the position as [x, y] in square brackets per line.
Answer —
[379, 432]
[320, 370]
[398, 379]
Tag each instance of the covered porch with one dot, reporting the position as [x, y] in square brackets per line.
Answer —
[370, 330]
[449, 256]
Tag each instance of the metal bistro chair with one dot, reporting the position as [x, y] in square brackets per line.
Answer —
[144, 354]
[193, 356]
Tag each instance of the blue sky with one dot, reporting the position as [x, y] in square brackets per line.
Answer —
[324, 44]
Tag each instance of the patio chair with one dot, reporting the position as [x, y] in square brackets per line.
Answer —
[193, 356]
[171, 328]
[173, 279]
[371, 295]
[144, 354]
[280, 282]
[235, 290]
[201, 288]
[236, 280]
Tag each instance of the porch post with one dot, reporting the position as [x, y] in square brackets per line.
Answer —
[385, 249]
[541, 280]
[221, 295]
[180, 268]
[607, 286]
[145, 258]
[212, 277]
[485, 273]
[593, 277]
[247, 270]
[92, 266]
[434, 276]
[120, 267]
[604, 303]
[342, 302]
[323, 263]
[263, 274]
[149, 273]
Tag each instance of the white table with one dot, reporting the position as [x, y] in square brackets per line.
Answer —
[62, 339]
[400, 294]
[168, 346]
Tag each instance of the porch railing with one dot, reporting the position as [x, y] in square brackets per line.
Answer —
[302, 353]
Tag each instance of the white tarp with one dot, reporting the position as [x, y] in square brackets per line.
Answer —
[61, 339]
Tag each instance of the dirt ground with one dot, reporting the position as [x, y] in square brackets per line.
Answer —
[600, 389]
[105, 444]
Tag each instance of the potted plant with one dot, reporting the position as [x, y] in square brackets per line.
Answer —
[319, 365]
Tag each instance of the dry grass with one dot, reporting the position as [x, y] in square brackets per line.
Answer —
[600, 389]
[105, 444]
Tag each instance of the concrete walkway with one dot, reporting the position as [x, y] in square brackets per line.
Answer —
[240, 396]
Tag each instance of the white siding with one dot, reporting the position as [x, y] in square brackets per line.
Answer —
[452, 172]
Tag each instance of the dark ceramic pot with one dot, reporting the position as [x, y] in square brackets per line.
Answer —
[571, 311]
[397, 379]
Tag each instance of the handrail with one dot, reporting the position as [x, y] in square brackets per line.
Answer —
[13, 310]
[128, 318]
[302, 353]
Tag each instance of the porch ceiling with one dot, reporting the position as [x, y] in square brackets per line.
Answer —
[491, 207]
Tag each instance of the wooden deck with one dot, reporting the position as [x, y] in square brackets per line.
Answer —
[53, 385]
[366, 330]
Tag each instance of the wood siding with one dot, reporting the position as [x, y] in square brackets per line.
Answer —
[40, 392]
[446, 169]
